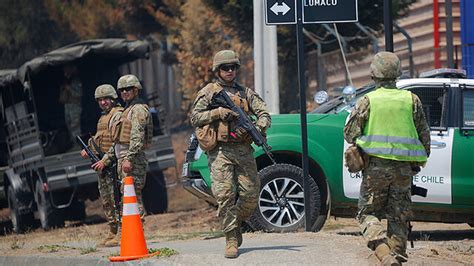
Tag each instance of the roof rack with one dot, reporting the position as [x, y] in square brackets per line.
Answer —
[444, 73]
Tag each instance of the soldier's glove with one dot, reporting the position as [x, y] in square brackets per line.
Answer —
[224, 114]
[241, 132]
[261, 130]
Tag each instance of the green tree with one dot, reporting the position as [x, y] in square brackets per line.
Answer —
[26, 30]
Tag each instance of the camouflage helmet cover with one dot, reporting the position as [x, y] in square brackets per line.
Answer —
[128, 81]
[385, 66]
[225, 57]
[105, 90]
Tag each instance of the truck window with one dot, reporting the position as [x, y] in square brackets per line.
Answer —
[434, 102]
[468, 108]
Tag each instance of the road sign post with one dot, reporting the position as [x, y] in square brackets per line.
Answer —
[301, 12]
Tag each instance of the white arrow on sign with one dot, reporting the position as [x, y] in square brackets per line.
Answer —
[283, 8]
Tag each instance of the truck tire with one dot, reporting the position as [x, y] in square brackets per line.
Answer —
[280, 205]
[20, 222]
[50, 217]
[154, 194]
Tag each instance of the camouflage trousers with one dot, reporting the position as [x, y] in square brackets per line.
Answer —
[385, 193]
[106, 190]
[139, 166]
[235, 183]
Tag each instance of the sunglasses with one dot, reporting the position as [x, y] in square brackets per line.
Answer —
[228, 68]
[125, 89]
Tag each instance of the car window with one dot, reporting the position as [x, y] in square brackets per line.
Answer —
[434, 100]
[468, 108]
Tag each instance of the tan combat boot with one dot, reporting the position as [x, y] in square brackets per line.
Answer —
[383, 254]
[231, 245]
[110, 235]
[114, 242]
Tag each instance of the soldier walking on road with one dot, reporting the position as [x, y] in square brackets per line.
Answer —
[389, 125]
[106, 97]
[235, 183]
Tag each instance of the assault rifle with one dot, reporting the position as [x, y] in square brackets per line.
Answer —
[221, 99]
[109, 171]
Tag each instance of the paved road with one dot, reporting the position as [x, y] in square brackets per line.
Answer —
[258, 249]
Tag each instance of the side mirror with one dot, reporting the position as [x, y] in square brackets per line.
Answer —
[348, 94]
[321, 97]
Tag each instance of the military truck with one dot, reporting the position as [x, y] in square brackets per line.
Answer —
[448, 102]
[45, 177]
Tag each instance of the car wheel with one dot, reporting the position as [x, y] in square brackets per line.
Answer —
[49, 216]
[20, 222]
[281, 200]
[154, 194]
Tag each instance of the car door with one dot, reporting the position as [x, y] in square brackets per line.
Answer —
[463, 150]
[436, 176]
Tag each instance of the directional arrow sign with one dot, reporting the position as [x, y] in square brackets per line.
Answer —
[283, 8]
[280, 12]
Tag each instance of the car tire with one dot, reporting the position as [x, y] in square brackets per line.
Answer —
[154, 194]
[49, 216]
[280, 205]
[20, 222]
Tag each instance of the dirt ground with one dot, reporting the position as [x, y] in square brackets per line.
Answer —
[190, 218]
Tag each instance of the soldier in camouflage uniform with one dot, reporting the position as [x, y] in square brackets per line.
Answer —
[235, 183]
[396, 145]
[106, 97]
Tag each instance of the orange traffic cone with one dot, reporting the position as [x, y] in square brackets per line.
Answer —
[132, 245]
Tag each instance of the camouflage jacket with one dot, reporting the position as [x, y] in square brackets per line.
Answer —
[201, 114]
[360, 115]
[140, 117]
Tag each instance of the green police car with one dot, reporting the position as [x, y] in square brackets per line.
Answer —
[448, 101]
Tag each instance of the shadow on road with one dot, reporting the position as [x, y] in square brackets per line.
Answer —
[432, 235]
[290, 248]
[443, 235]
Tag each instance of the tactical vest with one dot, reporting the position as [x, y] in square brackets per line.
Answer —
[224, 128]
[122, 133]
[103, 137]
[390, 132]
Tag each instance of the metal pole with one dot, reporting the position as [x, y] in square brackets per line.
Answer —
[265, 59]
[449, 33]
[410, 48]
[304, 130]
[388, 24]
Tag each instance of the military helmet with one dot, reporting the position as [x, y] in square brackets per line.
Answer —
[128, 81]
[105, 90]
[225, 57]
[385, 66]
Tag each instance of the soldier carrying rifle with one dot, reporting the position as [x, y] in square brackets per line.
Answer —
[100, 143]
[390, 128]
[235, 183]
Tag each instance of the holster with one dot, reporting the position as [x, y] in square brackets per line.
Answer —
[207, 136]
[356, 159]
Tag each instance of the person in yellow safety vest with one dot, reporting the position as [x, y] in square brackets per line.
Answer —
[390, 127]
